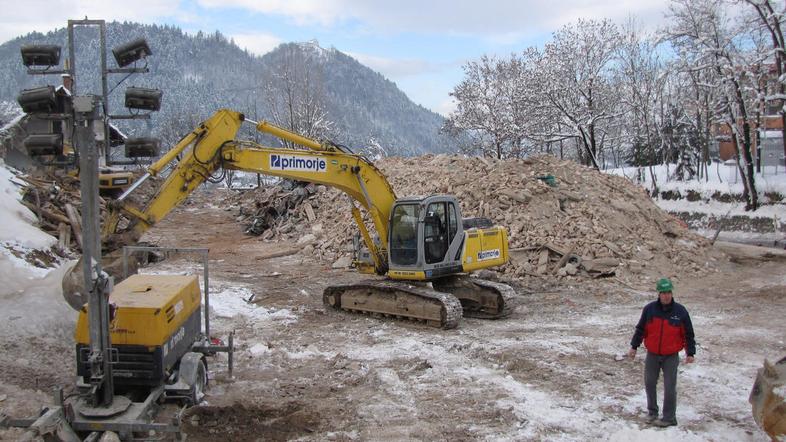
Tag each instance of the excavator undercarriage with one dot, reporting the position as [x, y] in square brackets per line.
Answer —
[440, 303]
[392, 299]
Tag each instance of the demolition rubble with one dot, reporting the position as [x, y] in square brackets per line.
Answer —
[564, 220]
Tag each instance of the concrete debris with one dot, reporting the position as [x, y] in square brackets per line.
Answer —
[343, 262]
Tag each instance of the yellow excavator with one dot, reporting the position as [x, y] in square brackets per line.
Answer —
[424, 246]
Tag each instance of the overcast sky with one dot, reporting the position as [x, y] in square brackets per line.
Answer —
[420, 45]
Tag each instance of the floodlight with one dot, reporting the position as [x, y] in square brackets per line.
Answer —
[41, 99]
[44, 144]
[143, 98]
[40, 55]
[141, 147]
[131, 52]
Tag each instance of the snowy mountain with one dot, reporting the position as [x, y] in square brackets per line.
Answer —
[204, 72]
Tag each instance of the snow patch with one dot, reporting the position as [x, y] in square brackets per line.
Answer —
[307, 354]
[16, 219]
[32, 304]
[653, 435]
[231, 302]
[259, 349]
[719, 179]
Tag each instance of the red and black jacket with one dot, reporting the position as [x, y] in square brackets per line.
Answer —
[665, 329]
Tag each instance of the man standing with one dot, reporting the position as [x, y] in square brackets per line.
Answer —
[666, 329]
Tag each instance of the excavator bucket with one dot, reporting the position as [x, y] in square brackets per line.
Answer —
[73, 284]
[74, 287]
[768, 399]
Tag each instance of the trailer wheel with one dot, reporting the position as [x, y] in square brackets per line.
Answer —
[198, 389]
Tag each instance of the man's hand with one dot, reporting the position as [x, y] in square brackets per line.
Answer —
[689, 359]
[632, 353]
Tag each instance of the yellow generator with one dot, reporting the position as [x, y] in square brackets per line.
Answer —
[155, 328]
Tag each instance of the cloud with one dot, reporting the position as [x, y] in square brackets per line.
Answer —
[47, 15]
[302, 12]
[398, 67]
[258, 43]
[499, 20]
[446, 107]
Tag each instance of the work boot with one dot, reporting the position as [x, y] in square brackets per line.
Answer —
[664, 423]
[651, 418]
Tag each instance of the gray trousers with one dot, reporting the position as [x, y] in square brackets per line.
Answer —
[653, 365]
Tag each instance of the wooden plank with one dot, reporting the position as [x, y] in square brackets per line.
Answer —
[543, 262]
[73, 217]
[64, 235]
[46, 213]
[309, 212]
[561, 263]
[278, 254]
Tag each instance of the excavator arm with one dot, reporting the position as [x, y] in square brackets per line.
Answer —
[212, 147]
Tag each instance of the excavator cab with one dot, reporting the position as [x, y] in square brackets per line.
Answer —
[428, 240]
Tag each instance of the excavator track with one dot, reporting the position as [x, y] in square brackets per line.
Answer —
[480, 298]
[398, 300]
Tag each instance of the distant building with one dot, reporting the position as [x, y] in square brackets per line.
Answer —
[770, 132]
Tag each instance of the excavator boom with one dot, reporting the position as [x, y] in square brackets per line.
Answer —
[212, 146]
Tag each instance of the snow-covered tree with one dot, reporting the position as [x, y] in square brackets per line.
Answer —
[641, 79]
[485, 107]
[575, 74]
[705, 38]
[768, 18]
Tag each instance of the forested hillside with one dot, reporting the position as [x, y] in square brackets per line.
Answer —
[204, 72]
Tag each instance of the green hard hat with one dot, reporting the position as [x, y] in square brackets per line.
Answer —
[664, 285]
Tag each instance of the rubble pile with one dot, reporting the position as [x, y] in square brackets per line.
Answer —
[563, 219]
[56, 201]
[275, 211]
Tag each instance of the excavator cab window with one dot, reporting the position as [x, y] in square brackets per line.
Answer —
[404, 235]
[435, 232]
[452, 222]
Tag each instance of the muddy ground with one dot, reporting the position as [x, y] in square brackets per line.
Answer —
[550, 371]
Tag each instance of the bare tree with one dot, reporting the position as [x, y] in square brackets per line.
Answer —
[294, 92]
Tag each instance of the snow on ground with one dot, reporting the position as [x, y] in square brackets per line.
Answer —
[467, 362]
[32, 304]
[43, 307]
[711, 387]
[721, 178]
[717, 208]
[232, 301]
[17, 220]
